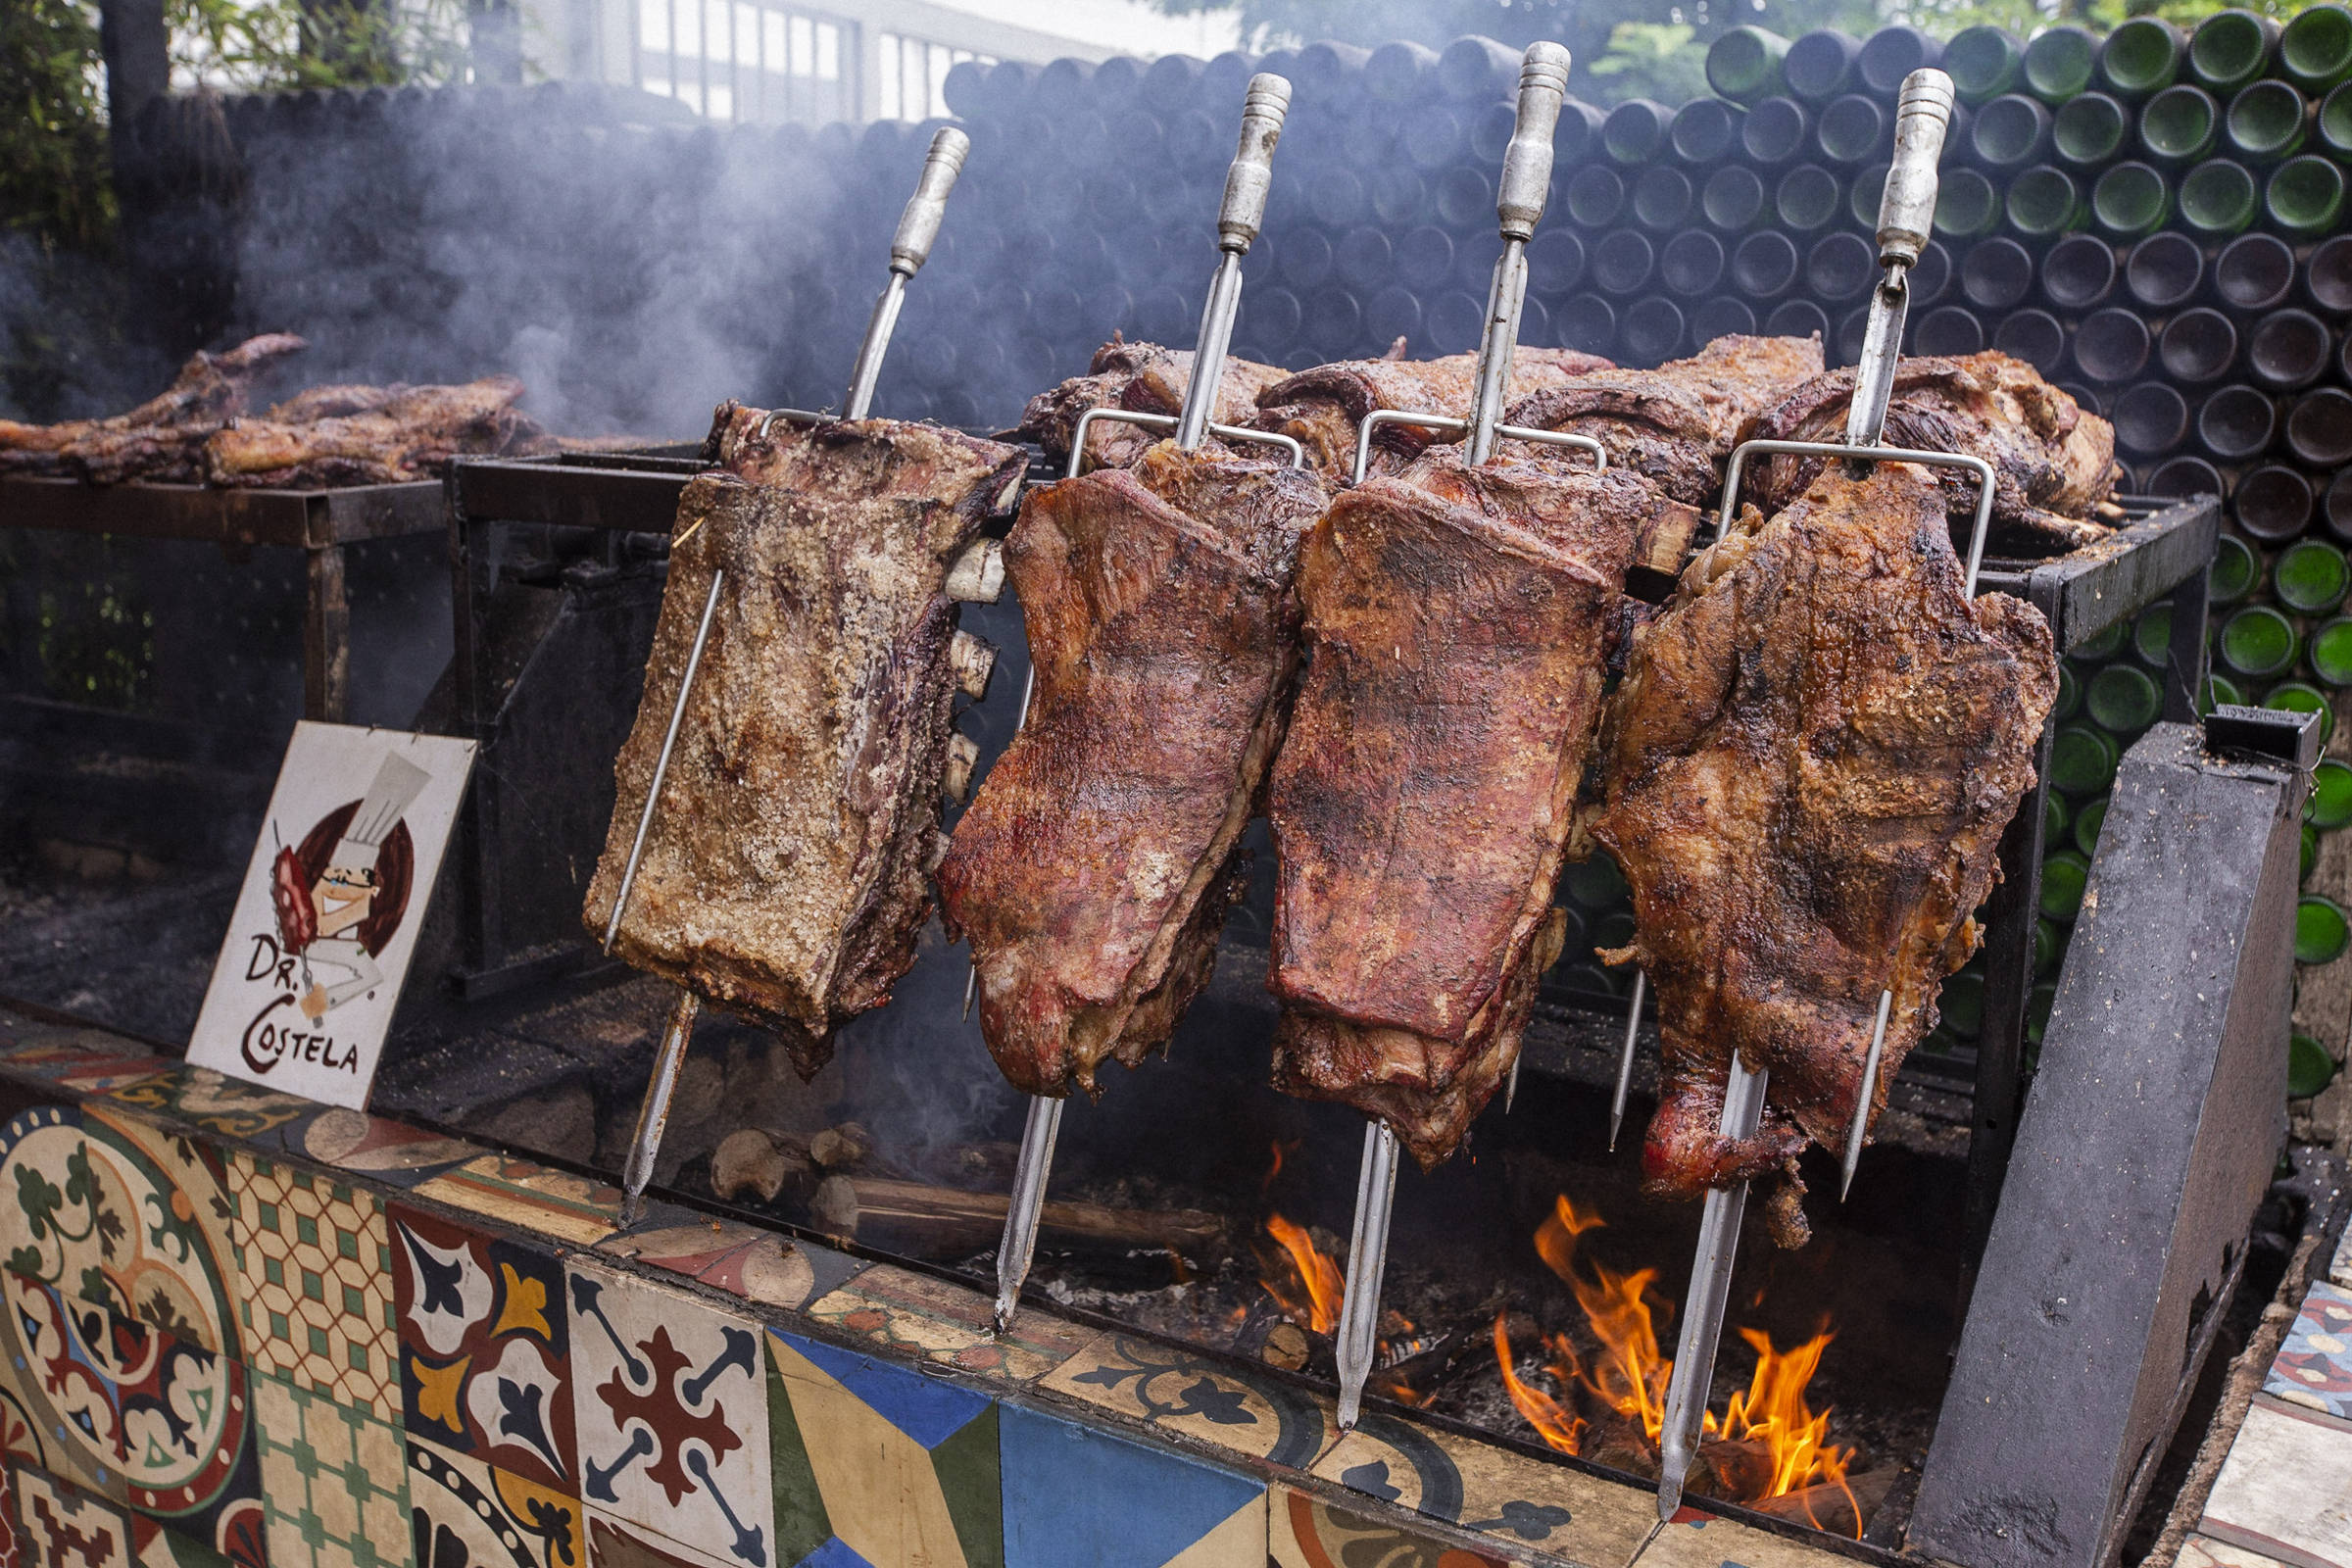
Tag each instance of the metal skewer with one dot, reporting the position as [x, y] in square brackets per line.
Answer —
[1526, 179]
[1240, 214]
[909, 248]
[1923, 113]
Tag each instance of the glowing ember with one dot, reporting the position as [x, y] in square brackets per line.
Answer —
[1770, 1438]
[1309, 1284]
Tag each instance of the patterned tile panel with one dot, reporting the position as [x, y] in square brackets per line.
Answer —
[1169, 1512]
[215, 1102]
[467, 1514]
[2203, 1552]
[1183, 1392]
[940, 1321]
[616, 1544]
[879, 1461]
[154, 1546]
[315, 1259]
[137, 1415]
[531, 1197]
[2314, 1367]
[484, 1347]
[775, 1272]
[2286, 1490]
[1700, 1540]
[671, 1404]
[12, 1540]
[89, 1061]
[1307, 1531]
[110, 1210]
[335, 1482]
[1491, 1490]
[61, 1527]
[382, 1151]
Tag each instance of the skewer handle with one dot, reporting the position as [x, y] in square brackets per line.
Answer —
[918, 224]
[1923, 113]
[1527, 161]
[1243, 210]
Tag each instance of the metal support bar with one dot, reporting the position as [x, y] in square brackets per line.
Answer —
[1025, 1203]
[1367, 1261]
[653, 1115]
[669, 741]
[1168, 421]
[325, 636]
[1447, 421]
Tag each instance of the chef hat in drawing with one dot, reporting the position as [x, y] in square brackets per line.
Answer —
[396, 783]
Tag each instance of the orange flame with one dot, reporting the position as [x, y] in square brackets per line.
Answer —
[1629, 1374]
[1310, 1291]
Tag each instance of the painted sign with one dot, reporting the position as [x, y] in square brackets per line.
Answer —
[327, 918]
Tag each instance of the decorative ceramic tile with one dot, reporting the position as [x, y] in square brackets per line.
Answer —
[316, 1260]
[154, 1546]
[2314, 1367]
[467, 1514]
[12, 1542]
[137, 1415]
[1700, 1540]
[1489, 1490]
[387, 1151]
[90, 1061]
[670, 1401]
[484, 1346]
[60, 1527]
[614, 1544]
[940, 1321]
[334, 1483]
[1306, 1532]
[531, 1196]
[1211, 1401]
[2286, 1490]
[879, 1460]
[2339, 1270]
[2203, 1552]
[776, 1272]
[230, 1107]
[1169, 1512]
[107, 1210]
[682, 1240]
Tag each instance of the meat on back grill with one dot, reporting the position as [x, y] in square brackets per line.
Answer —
[1140, 378]
[1094, 869]
[1324, 407]
[1676, 424]
[372, 435]
[1810, 763]
[1456, 620]
[162, 439]
[2054, 465]
[784, 873]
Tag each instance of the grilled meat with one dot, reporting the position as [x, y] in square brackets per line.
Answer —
[407, 434]
[2053, 463]
[1456, 619]
[332, 402]
[1094, 869]
[162, 439]
[1810, 763]
[1323, 408]
[783, 874]
[1142, 378]
[1676, 424]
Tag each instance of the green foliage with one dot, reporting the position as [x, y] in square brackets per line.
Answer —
[271, 45]
[1664, 61]
[96, 643]
[53, 152]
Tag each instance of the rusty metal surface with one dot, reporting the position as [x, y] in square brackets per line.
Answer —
[300, 518]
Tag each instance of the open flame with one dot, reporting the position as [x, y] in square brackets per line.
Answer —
[1769, 1442]
[1305, 1284]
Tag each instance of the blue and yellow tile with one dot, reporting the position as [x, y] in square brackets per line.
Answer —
[1076, 1497]
[1518, 1500]
[1213, 1401]
[465, 1513]
[879, 1463]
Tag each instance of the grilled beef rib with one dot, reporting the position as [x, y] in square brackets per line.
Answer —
[162, 439]
[1142, 378]
[1325, 407]
[1810, 763]
[784, 872]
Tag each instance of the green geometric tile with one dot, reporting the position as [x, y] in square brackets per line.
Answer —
[334, 1483]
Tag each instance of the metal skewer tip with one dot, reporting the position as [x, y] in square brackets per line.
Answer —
[653, 1116]
[1625, 1059]
[1367, 1261]
[1861, 1127]
[1026, 1202]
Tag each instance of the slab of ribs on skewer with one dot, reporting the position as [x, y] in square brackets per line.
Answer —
[1094, 869]
[1140, 378]
[198, 432]
[1811, 759]
[784, 872]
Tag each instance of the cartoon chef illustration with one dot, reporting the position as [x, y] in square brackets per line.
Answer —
[340, 894]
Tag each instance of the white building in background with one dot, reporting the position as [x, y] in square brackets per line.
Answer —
[768, 61]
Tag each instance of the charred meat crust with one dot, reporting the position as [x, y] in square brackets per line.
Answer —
[1142, 378]
[1810, 762]
[1458, 620]
[2053, 463]
[1322, 408]
[1677, 424]
[162, 440]
[1092, 870]
[784, 874]
[406, 434]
